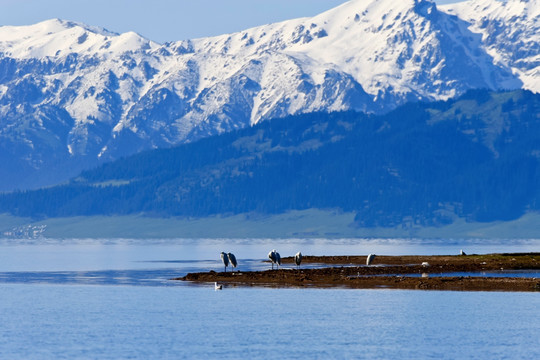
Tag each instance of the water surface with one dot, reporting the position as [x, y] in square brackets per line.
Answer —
[112, 299]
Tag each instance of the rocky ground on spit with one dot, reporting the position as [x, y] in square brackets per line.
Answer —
[393, 272]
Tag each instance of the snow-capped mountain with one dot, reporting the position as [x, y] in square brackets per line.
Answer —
[510, 33]
[72, 95]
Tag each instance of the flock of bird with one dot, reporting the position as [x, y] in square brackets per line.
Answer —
[275, 258]
[228, 258]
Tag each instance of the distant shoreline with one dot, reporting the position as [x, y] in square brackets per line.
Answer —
[305, 224]
[390, 272]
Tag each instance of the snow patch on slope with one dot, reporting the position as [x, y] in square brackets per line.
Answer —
[510, 32]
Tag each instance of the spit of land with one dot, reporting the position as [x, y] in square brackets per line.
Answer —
[393, 272]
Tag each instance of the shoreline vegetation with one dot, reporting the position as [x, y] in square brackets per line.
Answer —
[389, 272]
[311, 223]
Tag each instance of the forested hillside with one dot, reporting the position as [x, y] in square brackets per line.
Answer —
[476, 157]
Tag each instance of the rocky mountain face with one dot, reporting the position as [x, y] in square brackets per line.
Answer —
[510, 33]
[72, 96]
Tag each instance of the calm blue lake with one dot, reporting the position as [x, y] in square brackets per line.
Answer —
[111, 299]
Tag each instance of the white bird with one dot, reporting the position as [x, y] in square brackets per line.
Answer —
[232, 259]
[217, 287]
[370, 258]
[272, 257]
[461, 252]
[425, 264]
[298, 258]
[225, 260]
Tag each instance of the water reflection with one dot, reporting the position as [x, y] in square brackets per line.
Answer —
[106, 277]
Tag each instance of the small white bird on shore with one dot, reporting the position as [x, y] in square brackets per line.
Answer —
[217, 287]
[369, 259]
[425, 264]
[461, 252]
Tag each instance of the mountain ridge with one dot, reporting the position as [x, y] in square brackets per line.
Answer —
[98, 95]
[475, 158]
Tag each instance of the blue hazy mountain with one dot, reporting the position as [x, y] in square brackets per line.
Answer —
[476, 157]
[73, 96]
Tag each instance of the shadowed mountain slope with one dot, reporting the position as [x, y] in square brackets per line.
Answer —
[476, 157]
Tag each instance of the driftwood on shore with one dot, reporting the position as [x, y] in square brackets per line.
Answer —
[393, 272]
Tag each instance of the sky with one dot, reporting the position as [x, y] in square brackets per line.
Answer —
[165, 20]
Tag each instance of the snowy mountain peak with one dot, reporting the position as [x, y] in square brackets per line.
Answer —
[528, 9]
[59, 38]
[58, 25]
[374, 10]
[98, 95]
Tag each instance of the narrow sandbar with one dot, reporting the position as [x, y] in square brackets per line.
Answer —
[391, 272]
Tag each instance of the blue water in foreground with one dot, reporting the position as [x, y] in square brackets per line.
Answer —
[113, 300]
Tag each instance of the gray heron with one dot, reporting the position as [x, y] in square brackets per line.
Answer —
[232, 259]
[225, 260]
[298, 258]
[278, 258]
[370, 258]
[272, 257]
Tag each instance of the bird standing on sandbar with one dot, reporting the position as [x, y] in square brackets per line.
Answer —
[370, 258]
[278, 258]
[232, 260]
[273, 256]
[298, 259]
[225, 260]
